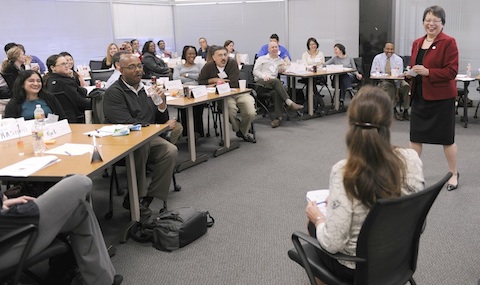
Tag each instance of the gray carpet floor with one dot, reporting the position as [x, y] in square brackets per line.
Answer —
[257, 196]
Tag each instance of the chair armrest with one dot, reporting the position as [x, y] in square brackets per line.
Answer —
[296, 236]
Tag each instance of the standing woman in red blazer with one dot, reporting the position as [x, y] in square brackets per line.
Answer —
[435, 60]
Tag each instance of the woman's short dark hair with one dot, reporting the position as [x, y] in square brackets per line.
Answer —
[311, 40]
[65, 53]
[227, 42]
[341, 48]
[185, 49]
[52, 61]
[146, 45]
[18, 92]
[436, 11]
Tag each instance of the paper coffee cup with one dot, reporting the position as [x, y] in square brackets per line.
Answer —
[242, 84]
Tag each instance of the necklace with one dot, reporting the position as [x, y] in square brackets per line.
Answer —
[429, 40]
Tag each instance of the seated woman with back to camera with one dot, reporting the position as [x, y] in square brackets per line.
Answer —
[188, 73]
[354, 182]
[27, 93]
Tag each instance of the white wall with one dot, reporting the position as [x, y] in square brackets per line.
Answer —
[85, 28]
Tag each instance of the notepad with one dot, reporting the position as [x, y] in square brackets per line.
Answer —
[28, 166]
[320, 196]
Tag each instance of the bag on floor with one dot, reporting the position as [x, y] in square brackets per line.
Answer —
[173, 229]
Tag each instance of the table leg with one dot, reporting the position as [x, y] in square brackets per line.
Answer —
[337, 91]
[194, 159]
[310, 96]
[132, 187]
[228, 145]
[464, 119]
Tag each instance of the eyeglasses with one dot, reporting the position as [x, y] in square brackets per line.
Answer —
[133, 66]
[432, 21]
[63, 64]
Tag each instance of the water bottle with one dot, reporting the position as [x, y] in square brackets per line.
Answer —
[286, 60]
[37, 130]
[469, 70]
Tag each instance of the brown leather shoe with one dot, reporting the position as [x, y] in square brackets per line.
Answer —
[294, 106]
[275, 123]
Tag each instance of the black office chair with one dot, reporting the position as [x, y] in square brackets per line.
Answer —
[387, 246]
[73, 113]
[9, 79]
[95, 64]
[476, 110]
[102, 75]
[30, 232]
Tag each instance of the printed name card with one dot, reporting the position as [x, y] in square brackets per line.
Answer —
[14, 129]
[174, 84]
[55, 130]
[199, 91]
[223, 88]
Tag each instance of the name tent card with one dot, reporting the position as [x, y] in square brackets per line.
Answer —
[199, 91]
[174, 84]
[223, 88]
[55, 130]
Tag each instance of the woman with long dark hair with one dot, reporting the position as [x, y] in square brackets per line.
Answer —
[374, 169]
[27, 93]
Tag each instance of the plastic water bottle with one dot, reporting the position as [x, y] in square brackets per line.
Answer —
[37, 130]
[469, 70]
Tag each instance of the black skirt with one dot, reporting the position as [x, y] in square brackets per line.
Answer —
[432, 122]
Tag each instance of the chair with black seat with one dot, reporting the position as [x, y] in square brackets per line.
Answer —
[387, 246]
[12, 274]
[74, 115]
[358, 83]
[95, 64]
[102, 75]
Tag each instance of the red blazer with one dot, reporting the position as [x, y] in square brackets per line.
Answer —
[442, 61]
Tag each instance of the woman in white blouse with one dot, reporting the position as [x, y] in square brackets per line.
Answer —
[313, 56]
[353, 181]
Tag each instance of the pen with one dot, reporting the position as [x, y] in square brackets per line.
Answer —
[69, 154]
[323, 202]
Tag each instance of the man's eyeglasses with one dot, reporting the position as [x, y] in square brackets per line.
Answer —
[133, 66]
[432, 21]
[63, 64]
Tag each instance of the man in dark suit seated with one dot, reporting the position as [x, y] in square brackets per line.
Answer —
[126, 102]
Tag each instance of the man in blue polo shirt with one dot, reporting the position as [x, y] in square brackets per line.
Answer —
[282, 51]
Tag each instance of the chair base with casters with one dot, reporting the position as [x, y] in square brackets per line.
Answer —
[387, 246]
[12, 274]
[120, 192]
[478, 105]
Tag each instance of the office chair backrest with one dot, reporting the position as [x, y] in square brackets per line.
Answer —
[359, 63]
[95, 64]
[73, 113]
[390, 236]
[246, 73]
[98, 116]
[102, 75]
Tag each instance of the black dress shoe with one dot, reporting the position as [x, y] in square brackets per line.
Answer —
[451, 187]
[144, 210]
[117, 279]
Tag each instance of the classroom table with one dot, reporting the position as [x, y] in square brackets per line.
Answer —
[466, 82]
[188, 103]
[112, 149]
[291, 77]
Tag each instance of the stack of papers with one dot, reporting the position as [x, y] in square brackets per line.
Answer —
[28, 166]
